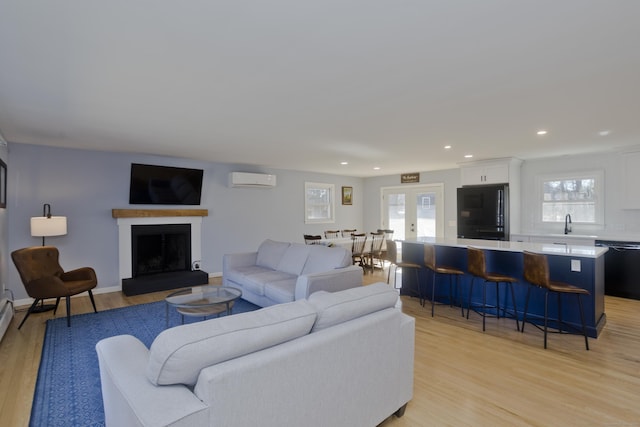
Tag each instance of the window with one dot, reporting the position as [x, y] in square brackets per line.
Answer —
[319, 204]
[577, 194]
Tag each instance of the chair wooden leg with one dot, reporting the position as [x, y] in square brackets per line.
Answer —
[29, 312]
[56, 307]
[68, 311]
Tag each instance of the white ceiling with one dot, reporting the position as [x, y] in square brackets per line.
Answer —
[304, 85]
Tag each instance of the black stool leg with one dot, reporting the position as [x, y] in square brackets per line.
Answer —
[526, 307]
[546, 304]
[584, 328]
[470, 295]
[459, 295]
[515, 310]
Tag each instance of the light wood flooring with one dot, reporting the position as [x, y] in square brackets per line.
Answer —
[463, 377]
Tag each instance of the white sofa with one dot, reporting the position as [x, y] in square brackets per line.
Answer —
[336, 359]
[280, 272]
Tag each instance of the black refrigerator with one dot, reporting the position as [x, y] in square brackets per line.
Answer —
[483, 212]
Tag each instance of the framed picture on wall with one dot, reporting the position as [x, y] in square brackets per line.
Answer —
[3, 184]
[347, 195]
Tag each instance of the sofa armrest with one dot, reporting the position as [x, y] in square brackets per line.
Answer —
[244, 259]
[129, 397]
[330, 281]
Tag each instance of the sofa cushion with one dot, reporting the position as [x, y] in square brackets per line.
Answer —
[323, 258]
[257, 283]
[294, 258]
[270, 253]
[177, 355]
[281, 291]
[239, 274]
[339, 307]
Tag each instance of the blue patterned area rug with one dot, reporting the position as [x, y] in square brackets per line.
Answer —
[68, 387]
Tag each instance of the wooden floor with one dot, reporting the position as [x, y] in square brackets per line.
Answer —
[463, 377]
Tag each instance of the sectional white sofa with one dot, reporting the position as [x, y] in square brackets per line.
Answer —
[342, 359]
[280, 272]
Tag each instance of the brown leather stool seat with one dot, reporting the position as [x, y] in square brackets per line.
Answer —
[430, 263]
[478, 269]
[536, 272]
[392, 258]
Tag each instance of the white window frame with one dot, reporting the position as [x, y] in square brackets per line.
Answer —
[329, 204]
[597, 175]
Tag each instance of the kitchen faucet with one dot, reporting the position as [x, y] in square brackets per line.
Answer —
[567, 224]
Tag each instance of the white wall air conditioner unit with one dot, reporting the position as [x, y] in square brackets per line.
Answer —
[255, 180]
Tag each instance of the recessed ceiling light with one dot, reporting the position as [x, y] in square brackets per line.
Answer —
[447, 147]
[542, 132]
[604, 132]
[376, 168]
[344, 163]
[468, 156]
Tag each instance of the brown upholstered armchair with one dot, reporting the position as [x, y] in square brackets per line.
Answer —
[44, 278]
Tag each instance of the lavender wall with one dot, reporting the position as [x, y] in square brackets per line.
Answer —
[85, 185]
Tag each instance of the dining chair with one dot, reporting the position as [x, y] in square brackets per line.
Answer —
[375, 250]
[348, 232]
[358, 253]
[332, 234]
[310, 239]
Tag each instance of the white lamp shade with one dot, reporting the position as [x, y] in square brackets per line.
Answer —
[41, 226]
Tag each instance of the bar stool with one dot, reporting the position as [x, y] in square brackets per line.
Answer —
[392, 258]
[536, 272]
[478, 269]
[430, 263]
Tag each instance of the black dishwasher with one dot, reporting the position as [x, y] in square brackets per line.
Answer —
[621, 268]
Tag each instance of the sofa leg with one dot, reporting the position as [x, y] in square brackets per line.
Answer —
[400, 412]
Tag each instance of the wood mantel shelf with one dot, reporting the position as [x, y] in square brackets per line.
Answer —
[155, 213]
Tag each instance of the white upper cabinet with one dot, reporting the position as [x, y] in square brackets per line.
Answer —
[499, 171]
[631, 180]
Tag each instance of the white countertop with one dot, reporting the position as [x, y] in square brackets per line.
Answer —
[617, 237]
[499, 245]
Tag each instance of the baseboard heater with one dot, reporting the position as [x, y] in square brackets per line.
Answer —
[6, 314]
[164, 281]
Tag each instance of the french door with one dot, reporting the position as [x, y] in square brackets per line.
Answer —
[413, 212]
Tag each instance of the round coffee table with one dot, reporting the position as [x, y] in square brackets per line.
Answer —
[202, 301]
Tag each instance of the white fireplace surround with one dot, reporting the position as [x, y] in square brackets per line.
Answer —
[124, 238]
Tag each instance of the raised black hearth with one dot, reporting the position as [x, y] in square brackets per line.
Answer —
[161, 259]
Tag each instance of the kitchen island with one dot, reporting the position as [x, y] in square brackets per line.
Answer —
[582, 266]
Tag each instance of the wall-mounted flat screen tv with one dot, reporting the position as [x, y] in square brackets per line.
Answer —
[164, 185]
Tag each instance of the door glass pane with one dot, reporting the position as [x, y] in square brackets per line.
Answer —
[426, 214]
[396, 212]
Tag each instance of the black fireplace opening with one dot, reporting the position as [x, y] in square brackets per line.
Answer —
[160, 249]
